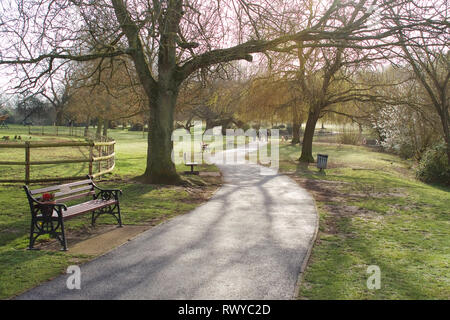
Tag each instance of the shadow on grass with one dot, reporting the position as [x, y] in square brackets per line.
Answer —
[347, 257]
[306, 169]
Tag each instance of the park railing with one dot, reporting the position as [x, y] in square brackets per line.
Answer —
[101, 159]
[66, 131]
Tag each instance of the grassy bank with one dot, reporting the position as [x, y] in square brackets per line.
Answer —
[141, 205]
[373, 212]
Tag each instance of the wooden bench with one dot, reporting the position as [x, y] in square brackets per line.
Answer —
[49, 217]
[191, 164]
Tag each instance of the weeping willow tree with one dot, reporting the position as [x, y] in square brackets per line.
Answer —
[169, 42]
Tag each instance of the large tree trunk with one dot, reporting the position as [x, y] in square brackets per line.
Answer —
[225, 125]
[59, 116]
[105, 127]
[296, 133]
[160, 168]
[296, 124]
[98, 133]
[308, 136]
[86, 127]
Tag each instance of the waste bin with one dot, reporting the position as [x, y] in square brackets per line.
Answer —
[322, 160]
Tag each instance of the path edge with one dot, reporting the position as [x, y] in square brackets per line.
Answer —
[307, 257]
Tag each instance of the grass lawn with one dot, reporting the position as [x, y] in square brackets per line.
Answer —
[373, 212]
[141, 205]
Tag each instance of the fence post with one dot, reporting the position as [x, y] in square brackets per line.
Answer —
[91, 158]
[27, 162]
[111, 148]
[100, 154]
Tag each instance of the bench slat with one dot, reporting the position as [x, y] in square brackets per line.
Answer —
[58, 187]
[72, 191]
[77, 196]
[87, 206]
[81, 208]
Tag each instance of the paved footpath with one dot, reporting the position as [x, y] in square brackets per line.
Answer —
[248, 242]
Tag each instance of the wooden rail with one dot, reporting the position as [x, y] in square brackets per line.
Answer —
[71, 131]
[105, 151]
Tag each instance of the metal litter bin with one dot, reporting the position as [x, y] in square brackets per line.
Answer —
[322, 160]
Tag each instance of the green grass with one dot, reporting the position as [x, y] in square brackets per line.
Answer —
[131, 154]
[141, 204]
[373, 212]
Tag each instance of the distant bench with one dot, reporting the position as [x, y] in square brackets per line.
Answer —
[191, 164]
[47, 217]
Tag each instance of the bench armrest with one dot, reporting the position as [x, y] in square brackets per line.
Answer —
[34, 201]
[61, 205]
[108, 190]
[105, 193]
[44, 207]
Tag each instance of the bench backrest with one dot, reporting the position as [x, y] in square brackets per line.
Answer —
[66, 192]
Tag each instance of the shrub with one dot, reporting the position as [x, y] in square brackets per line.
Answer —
[403, 131]
[434, 166]
[350, 137]
[136, 127]
[245, 126]
[289, 129]
[406, 150]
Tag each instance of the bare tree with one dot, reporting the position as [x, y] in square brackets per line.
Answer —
[168, 42]
[425, 48]
[58, 95]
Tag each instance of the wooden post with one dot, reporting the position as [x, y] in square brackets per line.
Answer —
[108, 163]
[100, 154]
[107, 154]
[91, 158]
[27, 162]
[111, 152]
[56, 130]
[112, 159]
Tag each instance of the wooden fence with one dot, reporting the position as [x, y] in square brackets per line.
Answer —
[99, 152]
[66, 131]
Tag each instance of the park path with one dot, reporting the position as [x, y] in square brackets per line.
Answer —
[248, 242]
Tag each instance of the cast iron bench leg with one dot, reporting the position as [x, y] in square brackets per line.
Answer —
[32, 238]
[63, 234]
[120, 217]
